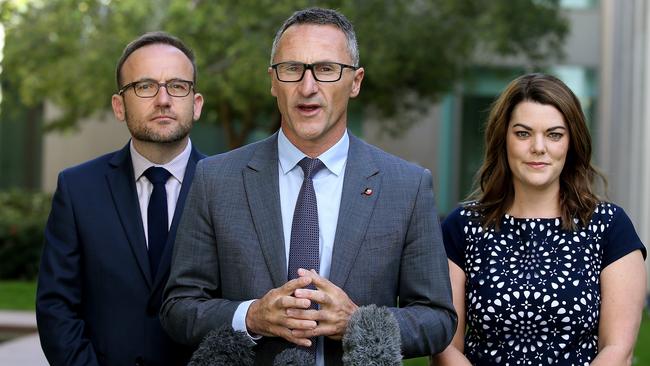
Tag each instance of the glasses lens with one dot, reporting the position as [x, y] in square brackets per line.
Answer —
[179, 88]
[145, 89]
[175, 88]
[327, 71]
[290, 71]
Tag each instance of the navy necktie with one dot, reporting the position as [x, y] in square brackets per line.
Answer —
[157, 223]
[304, 246]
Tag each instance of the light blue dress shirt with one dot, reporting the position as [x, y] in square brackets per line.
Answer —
[328, 185]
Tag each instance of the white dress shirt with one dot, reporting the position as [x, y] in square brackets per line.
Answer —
[328, 186]
[173, 186]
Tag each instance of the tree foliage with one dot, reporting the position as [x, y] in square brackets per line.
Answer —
[413, 51]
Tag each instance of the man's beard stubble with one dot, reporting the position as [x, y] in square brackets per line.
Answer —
[140, 131]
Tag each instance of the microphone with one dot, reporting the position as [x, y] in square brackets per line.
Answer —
[372, 338]
[224, 347]
[294, 357]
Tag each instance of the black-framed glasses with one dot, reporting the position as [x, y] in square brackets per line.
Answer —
[292, 72]
[149, 88]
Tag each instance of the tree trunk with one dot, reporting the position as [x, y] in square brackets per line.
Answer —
[33, 138]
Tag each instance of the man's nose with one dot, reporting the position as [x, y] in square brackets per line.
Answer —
[308, 84]
[163, 97]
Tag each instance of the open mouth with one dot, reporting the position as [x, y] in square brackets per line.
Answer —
[308, 108]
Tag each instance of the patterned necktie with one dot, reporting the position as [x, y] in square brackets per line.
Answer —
[304, 246]
[157, 223]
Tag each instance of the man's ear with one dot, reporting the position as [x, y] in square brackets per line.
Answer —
[273, 92]
[198, 105]
[117, 102]
[356, 83]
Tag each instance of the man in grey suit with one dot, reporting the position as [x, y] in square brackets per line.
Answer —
[239, 257]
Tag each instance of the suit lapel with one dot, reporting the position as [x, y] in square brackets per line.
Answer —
[263, 194]
[165, 261]
[361, 175]
[125, 198]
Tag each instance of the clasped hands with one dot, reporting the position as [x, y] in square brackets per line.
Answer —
[285, 311]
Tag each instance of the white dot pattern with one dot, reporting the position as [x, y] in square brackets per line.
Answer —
[533, 290]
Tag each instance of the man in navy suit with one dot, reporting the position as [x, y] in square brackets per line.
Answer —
[107, 245]
[250, 242]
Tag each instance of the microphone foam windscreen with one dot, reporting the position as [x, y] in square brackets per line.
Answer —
[294, 357]
[372, 338]
[224, 346]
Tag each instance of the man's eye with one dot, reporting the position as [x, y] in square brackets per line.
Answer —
[144, 86]
[292, 68]
[325, 68]
[178, 86]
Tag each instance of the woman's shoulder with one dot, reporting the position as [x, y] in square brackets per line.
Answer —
[464, 211]
[607, 212]
[611, 221]
[618, 232]
[465, 214]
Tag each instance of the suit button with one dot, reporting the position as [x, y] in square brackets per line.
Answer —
[139, 361]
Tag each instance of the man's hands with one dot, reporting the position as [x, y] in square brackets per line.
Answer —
[268, 315]
[285, 312]
[335, 310]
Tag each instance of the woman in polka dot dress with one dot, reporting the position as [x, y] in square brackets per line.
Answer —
[543, 272]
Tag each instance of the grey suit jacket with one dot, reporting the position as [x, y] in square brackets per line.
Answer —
[388, 248]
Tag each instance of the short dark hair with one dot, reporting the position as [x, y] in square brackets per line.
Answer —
[320, 16]
[494, 188]
[149, 39]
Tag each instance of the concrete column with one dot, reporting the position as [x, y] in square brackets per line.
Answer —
[624, 128]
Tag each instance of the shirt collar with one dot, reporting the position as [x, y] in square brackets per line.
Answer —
[334, 158]
[176, 167]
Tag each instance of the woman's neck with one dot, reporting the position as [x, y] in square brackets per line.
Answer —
[531, 203]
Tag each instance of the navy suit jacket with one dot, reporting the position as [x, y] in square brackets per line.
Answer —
[97, 303]
[388, 247]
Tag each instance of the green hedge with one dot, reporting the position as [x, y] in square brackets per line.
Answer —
[22, 220]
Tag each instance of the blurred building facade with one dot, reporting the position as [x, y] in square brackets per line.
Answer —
[449, 138]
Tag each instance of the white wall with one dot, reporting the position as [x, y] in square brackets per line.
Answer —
[417, 144]
[95, 137]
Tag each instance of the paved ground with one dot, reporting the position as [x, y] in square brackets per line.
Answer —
[24, 350]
